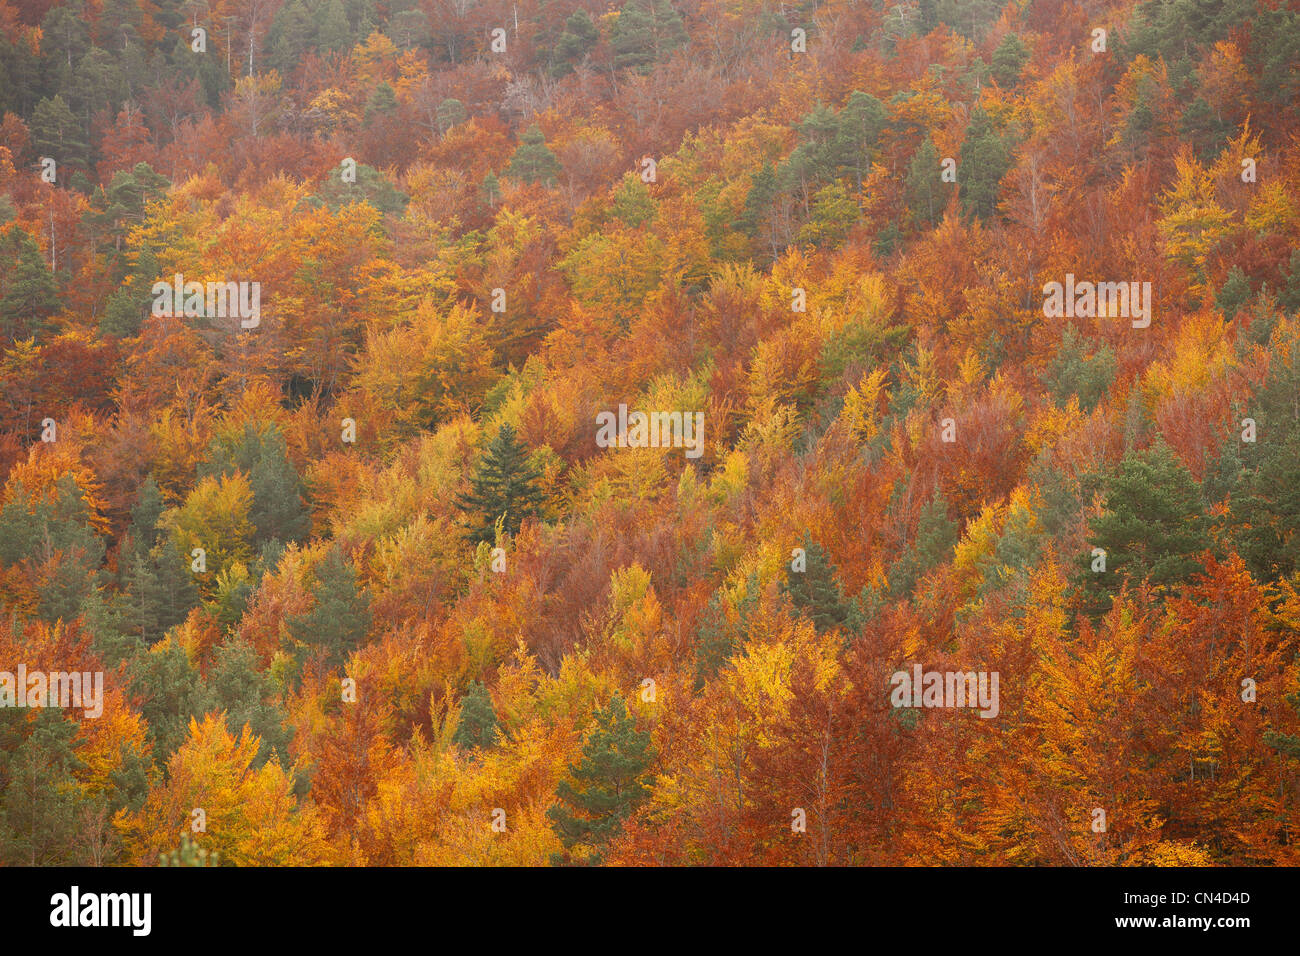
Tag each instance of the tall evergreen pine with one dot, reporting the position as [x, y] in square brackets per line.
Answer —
[984, 161]
[1152, 529]
[533, 161]
[1265, 504]
[28, 294]
[477, 726]
[925, 186]
[607, 784]
[936, 534]
[338, 622]
[814, 591]
[505, 488]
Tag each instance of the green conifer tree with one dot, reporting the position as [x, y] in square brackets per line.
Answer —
[814, 591]
[56, 132]
[1289, 298]
[41, 798]
[450, 112]
[34, 529]
[860, 124]
[984, 162]
[334, 34]
[237, 685]
[1265, 504]
[381, 102]
[371, 187]
[1073, 372]
[491, 189]
[578, 40]
[338, 622]
[1008, 60]
[477, 727]
[936, 535]
[926, 192]
[1234, 294]
[170, 692]
[1153, 527]
[533, 161]
[762, 190]
[645, 31]
[605, 786]
[504, 488]
[278, 511]
[28, 294]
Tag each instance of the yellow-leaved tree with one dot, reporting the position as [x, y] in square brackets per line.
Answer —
[215, 793]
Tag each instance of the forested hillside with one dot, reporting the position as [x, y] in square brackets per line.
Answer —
[340, 348]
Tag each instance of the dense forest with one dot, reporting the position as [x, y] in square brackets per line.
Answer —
[986, 319]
